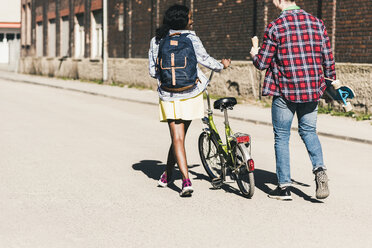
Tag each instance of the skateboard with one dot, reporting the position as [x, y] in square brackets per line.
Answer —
[340, 93]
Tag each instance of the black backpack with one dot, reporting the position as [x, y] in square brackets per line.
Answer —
[177, 63]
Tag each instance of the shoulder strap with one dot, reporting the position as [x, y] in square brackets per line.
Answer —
[174, 34]
[161, 43]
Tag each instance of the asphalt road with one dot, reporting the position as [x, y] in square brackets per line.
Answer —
[78, 170]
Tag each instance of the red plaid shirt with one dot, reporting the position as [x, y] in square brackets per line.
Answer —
[297, 54]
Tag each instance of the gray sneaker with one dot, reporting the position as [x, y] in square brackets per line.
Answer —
[321, 181]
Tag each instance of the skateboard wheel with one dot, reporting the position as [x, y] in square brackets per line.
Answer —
[348, 107]
[336, 84]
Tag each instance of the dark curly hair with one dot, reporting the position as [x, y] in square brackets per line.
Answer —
[176, 17]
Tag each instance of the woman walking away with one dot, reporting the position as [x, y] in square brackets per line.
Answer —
[173, 57]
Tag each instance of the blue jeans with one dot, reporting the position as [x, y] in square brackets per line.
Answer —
[282, 113]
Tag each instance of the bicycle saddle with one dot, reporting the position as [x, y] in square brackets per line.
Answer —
[224, 103]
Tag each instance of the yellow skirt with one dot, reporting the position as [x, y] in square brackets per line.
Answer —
[187, 109]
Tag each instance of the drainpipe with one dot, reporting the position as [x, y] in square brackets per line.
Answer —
[334, 15]
[266, 11]
[105, 44]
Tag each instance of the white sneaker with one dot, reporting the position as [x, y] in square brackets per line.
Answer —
[186, 188]
[163, 181]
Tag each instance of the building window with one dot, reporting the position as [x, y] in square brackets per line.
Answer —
[96, 29]
[121, 22]
[79, 36]
[65, 35]
[10, 37]
[39, 39]
[52, 38]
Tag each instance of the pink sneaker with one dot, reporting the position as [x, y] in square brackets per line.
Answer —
[164, 180]
[186, 188]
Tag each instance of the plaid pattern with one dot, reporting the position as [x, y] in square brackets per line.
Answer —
[297, 54]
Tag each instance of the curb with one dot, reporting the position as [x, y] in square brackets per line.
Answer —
[257, 122]
[77, 90]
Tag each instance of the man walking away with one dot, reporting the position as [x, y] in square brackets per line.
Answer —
[296, 52]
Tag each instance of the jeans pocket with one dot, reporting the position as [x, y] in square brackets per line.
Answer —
[280, 102]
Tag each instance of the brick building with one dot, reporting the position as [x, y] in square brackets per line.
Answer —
[63, 38]
[73, 28]
[59, 28]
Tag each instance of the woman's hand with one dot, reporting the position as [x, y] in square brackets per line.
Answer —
[226, 63]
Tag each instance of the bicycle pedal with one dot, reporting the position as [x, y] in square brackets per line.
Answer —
[217, 182]
[232, 177]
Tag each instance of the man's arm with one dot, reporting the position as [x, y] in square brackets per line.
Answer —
[263, 57]
[328, 59]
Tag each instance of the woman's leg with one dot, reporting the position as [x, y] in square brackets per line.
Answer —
[171, 159]
[178, 130]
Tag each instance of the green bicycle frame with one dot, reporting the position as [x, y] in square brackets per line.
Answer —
[225, 149]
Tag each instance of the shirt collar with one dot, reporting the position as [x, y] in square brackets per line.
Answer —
[295, 7]
[172, 31]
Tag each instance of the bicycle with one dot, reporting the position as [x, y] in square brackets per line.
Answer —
[234, 157]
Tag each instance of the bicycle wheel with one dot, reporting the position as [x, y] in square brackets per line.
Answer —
[244, 177]
[209, 156]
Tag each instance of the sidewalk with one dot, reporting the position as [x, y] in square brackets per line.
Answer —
[330, 126]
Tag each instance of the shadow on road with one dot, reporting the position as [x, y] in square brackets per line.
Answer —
[263, 177]
[154, 168]
[151, 168]
[225, 186]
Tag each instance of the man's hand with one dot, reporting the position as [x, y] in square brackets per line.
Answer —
[255, 48]
[254, 51]
[226, 63]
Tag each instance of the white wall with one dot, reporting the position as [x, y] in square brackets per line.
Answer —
[14, 54]
[10, 11]
[96, 35]
[4, 52]
[79, 36]
[39, 39]
[65, 35]
[52, 38]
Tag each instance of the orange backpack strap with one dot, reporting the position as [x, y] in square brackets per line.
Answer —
[174, 34]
